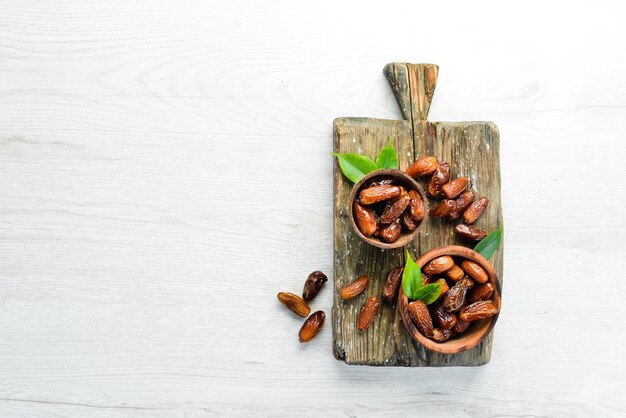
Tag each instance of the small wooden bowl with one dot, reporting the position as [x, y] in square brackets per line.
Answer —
[478, 330]
[399, 178]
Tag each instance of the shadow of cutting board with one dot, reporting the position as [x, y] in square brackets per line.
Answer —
[472, 149]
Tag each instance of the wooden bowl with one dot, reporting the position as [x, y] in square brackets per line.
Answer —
[478, 330]
[399, 178]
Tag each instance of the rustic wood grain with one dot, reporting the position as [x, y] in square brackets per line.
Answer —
[472, 149]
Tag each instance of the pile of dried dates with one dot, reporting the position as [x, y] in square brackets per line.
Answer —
[465, 297]
[300, 307]
[456, 201]
[383, 209]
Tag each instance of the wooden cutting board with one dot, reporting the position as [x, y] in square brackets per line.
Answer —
[472, 149]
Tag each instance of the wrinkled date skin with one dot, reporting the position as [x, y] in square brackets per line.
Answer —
[454, 188]
[443, 318]
[478, 310]
[461, 326]
[481, 292]
[470, 233]
[441, 335]
[294, 303]
[474, 210]
[392, 283]
[395, 209]
[311, 326]
[439, 265]
[475, 271]
[367, 314]
[461, 203]
[455, 273]
[443, 209]
[365, 219]
[422, 167]
[379, 193]
[418, 312]
[408, 222]
[313, 284]
[416, 206]
[455, 297]
[391, 232]
[355, 288]
[440, 177]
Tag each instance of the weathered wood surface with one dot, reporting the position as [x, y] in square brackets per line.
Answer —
[472, 148]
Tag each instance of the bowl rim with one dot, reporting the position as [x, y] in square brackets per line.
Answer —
[393, 172]
[485, 326]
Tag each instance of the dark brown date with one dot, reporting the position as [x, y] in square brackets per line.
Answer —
[392, 283]
[378, 193]
[454, 188]
[470, 233]
[441, 335]
[313, 284]
[365, 219]
[443, 318]
[422, 167]
[416, 207]
[444, 288]
[478, 310]
[408, 222]
[481, 292]
[461, 326]
[395, 209]
[391, 232]
[440, 177]
[354, 288]
[474, 210]
[311, 326]
[461, 203]
[418, 312]
[367, 314]
[456, 296]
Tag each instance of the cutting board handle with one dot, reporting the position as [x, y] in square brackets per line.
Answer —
[414, 86]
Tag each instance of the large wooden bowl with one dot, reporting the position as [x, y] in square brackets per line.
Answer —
[399, 178]
[478, 330]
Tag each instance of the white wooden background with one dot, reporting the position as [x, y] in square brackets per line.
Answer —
[165, 170]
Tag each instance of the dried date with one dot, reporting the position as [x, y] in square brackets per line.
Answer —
[478, 310]
[416, 206]
[474, 210]
[470, 233]
[418, 312]
[461, 203]
[475, 271]
[443, 318]
[378, 193]
[313, 284]
[354, 288]
[439, 265]
[441, 335]
[392, 283]
[408, 222]
[455, 273]
[365, 219]
[440, 177]
[311, 326]
[454, 188]
[395, 209]
[391, 232]
[422, 167]
[481, 292]
[367, 314]
[294, 303]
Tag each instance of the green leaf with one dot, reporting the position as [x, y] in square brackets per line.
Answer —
[411, 277]
[488, 245]
[355, 166]
[387, 157]
[429, 293]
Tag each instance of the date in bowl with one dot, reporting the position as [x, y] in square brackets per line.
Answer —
[369, 216]
[478, 329]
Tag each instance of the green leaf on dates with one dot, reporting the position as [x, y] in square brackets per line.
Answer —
[387, 157]
[428, 293]
[355, 166]
[412, 283]
[488, 245]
